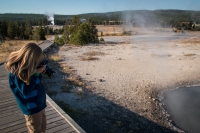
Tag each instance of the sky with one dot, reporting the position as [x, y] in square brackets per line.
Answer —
[75, 7]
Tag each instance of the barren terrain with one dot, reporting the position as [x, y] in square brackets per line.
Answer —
[118, 86]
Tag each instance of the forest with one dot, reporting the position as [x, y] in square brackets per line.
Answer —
[19, 26]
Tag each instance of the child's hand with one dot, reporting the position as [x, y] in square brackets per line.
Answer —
[41, 70]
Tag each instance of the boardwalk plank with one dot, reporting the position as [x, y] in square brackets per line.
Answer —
[14, 111]
[8, 104]
[11, 118]
[8, 100]
[60, 128]
[55, 115]
[2, 99]
[53, 119]
[7, 114]
[19, 116]
[22, 124]
[56, 123]
[6, 95]
[13, 128]
[8, 109]
[12, 124]
[20, 130]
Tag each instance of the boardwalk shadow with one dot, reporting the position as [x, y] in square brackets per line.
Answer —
[108, 117]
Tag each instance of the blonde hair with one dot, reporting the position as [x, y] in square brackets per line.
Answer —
[24, 62]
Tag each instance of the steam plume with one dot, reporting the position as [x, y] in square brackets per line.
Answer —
[50, 17]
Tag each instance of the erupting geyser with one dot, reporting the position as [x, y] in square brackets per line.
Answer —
[50, 17]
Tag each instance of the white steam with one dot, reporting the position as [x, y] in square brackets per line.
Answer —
[50, 17]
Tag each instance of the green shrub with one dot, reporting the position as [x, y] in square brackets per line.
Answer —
[196, 28]
[101, 40]
[79, 38]
[82, 33]
[61, 40]
[126, 33]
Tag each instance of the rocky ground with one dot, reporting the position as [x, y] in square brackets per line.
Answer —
[118, 86]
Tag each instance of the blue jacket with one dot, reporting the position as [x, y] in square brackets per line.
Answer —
[30, 98]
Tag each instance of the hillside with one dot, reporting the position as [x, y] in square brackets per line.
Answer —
[160, 15]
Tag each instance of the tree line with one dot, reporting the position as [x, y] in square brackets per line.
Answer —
[76, 32]
[20, 26]
[10, 30]
[150, 18]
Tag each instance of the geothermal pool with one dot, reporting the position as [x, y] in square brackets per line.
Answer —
[148, 37]
[183, 104]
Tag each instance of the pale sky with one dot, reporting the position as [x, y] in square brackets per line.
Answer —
[74, 7]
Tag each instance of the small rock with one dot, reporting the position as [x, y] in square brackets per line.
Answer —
[88, 87]
[100, 80]
[80, 89]
[118, 123]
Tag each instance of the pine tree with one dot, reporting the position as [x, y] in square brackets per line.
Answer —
[74, 24]
[42, 33]
[93, 31]
[36, 35]
[22, 31]
[82, 33]
[16, 30]
[39, 34]
[10, 30]
[1, 28]
[4, 28]
[28, 31]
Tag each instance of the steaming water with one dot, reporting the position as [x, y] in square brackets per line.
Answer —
[148, 38]
[183, 104]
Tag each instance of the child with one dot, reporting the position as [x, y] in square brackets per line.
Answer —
[25, 83]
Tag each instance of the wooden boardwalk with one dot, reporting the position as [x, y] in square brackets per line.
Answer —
[12, 120]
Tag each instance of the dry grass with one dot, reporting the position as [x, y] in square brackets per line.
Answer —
[189, 55]
[65, 48]
[67, 69]
[111, 30]
[72, 78]
[56, 57]
[90, 55]
[89, 58]
[9, 46]
[191, 41]
[119, 30]
[75, 79]
[94, 53]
